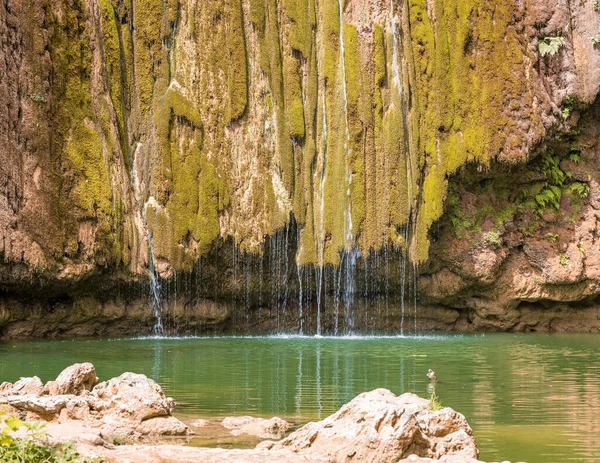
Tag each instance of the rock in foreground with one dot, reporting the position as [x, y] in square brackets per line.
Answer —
[126, 407]
[379, 426]
[376, 426]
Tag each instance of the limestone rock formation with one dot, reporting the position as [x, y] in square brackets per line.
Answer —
[73, 380]
[380, 426]
[161, 140]
[129, 406]
[376, 426]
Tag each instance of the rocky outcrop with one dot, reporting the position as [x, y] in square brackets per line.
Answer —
[375, 426]
[75, 380]
[126, 407]
[170, 138]
[522, 254]
[379, 426]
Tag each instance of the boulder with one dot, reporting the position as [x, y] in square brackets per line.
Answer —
[24, 386]
[135, 402]
[130, 396]
[129, 406]
[74, 379]
[379, 426]
[273, 428]
[44, 406]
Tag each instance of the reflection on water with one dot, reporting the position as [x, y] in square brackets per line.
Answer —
[533, 398]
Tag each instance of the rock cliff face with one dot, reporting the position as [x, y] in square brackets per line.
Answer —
[242, 145]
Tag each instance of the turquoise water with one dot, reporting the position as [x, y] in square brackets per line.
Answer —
[528, 397]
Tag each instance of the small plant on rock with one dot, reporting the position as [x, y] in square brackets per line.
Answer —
[563, 259]
[34, 447]
[580, 189]
[493, 238]
[596, 5]
[595, 39]
[552, 237]
[434, 402]
[550, 45]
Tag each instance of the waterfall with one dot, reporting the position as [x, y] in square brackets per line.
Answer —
[351, 250]
[299, 272]
[155, 286]
[403, 278]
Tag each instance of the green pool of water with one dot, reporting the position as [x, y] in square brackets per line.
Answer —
[533, 398]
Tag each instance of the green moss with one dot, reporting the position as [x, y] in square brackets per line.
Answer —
[292, 87]
[147, 42]
[460, 94]
[113, 58]
[236, 65]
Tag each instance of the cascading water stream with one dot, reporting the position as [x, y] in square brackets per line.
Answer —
[155, 286]
[351, 250]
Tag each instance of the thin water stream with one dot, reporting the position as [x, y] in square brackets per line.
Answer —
[528, 397]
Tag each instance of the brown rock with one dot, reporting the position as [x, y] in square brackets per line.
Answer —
[47, 407]
[73, 380]
[378, 426]
[180, 454]
[273, 428]
[25, 386]
[136, 402]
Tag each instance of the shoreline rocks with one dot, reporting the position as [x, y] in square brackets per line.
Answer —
[380, 426]
[127, 407]
[375, 426]
[273, 428]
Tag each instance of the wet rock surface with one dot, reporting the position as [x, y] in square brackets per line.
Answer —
[273, 428]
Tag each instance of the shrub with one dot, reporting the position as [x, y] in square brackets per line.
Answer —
[34, 447]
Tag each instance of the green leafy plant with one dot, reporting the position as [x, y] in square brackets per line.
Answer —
[595, 39]
[435, 403]
[563, 259]
[575, 156]
[549, 196]
[596, 5]
[550, 45]
[580, 189]
[38, 98]
[552, 237]
[34, 446]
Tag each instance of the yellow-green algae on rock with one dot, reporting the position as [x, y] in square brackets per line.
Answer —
[229, 114]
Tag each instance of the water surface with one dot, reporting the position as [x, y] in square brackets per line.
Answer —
[528, 397]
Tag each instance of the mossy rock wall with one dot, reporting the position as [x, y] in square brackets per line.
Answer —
[192, 120]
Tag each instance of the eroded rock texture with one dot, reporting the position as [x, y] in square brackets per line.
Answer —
[184, 127]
